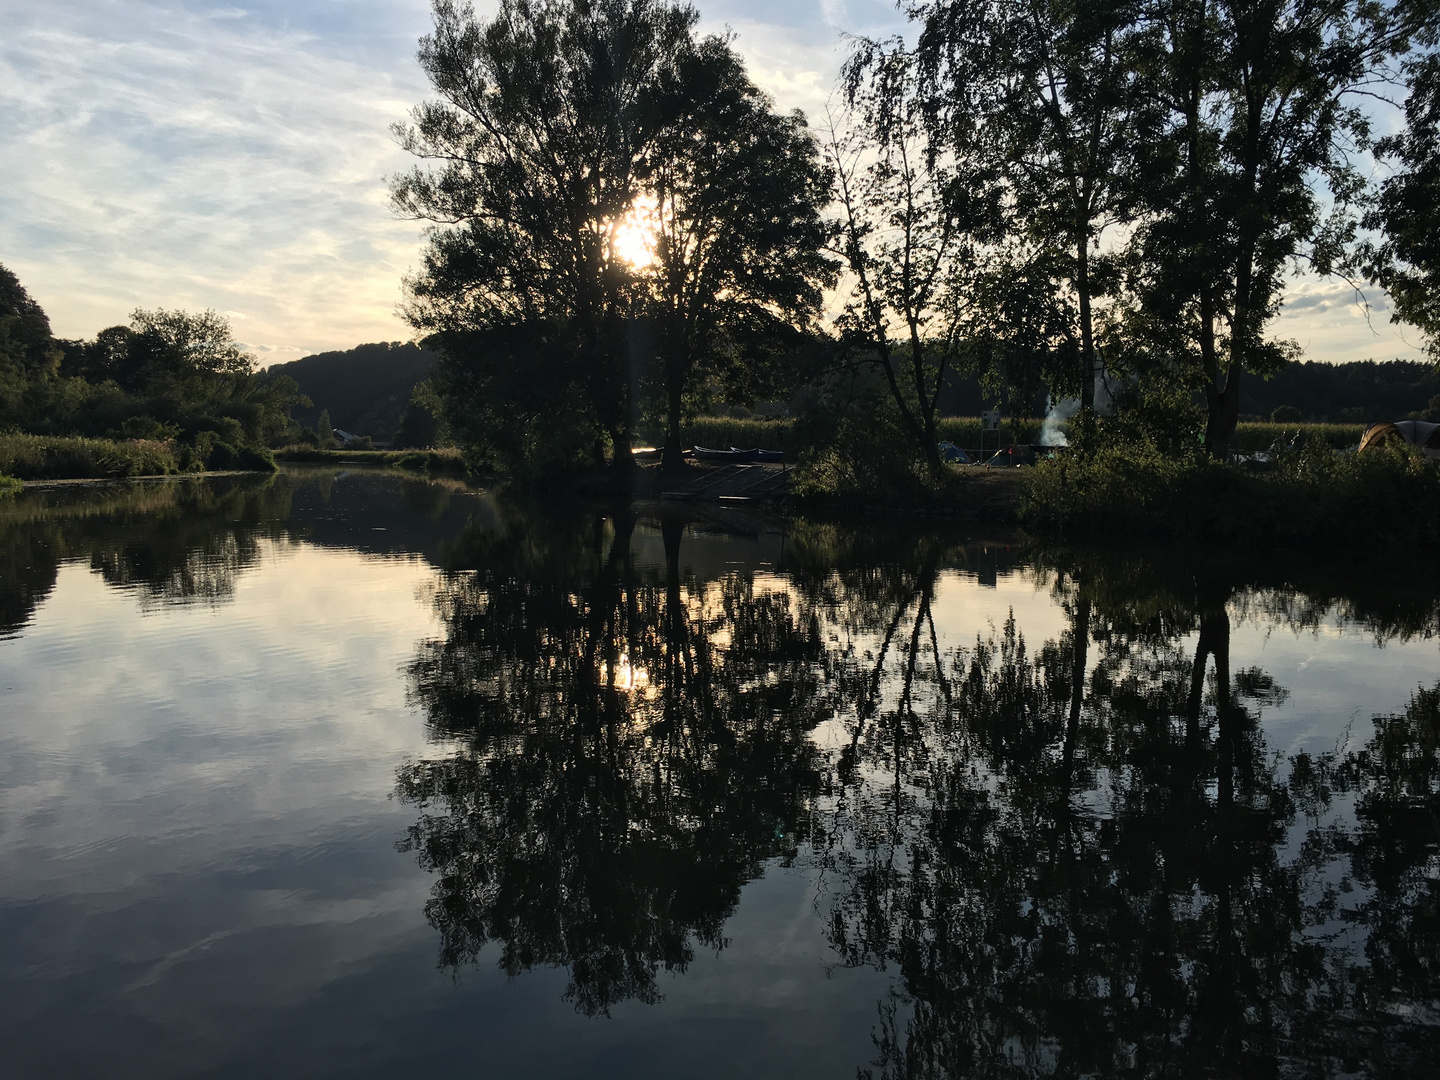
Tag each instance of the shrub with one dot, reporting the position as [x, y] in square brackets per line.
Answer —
[855, 447]
[256, 459]
[222, 457]
[1390, 496]
[9, 486]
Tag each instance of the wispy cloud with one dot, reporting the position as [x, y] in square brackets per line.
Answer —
[181, 154]
[1334, 322]
[162, 157]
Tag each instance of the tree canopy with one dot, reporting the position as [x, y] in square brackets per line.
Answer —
[557, 128]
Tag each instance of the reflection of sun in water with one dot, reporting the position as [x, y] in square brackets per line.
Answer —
[634, 237]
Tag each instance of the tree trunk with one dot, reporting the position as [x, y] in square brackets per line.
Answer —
[674, 453]
[1087, 337]
[621, 460]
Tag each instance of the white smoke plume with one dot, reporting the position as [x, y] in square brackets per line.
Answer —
[1051, 434]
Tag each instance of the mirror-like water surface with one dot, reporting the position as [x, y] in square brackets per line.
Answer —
[348, 774]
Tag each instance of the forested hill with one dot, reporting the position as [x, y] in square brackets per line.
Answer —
[365, 388]
[1359, 392]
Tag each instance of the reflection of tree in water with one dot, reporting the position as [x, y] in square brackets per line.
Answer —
[172, 542]
[1088, 874]
[628, 750]
[1081, 857]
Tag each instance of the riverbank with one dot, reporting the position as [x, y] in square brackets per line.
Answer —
[1312, 496]
[55, 457]
[446, 460]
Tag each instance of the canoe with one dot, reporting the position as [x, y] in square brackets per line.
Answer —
[731, 456]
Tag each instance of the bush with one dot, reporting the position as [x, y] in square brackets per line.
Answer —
[9, 486]
[854, 447]
[1389, 496]
[256, 459]
[222, 457]
[39, 457]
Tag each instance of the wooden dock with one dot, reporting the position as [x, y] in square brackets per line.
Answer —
[735, 484]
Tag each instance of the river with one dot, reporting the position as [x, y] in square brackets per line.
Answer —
[360, 774]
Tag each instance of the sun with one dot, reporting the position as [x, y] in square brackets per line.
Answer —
[634, 237]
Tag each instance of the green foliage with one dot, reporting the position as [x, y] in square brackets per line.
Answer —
[167, 376]
[1407, 260]
[1314, 495]
[422, 423]
[858, 446]
[10, 486]
[511, 402]
[35, 457]
[28, 354]
[739, 264]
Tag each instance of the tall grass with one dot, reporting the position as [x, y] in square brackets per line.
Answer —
[41, 457]
[1261, 436]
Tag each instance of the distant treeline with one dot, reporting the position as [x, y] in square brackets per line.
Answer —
[1362, 392]
[174, 381]
[365, 389]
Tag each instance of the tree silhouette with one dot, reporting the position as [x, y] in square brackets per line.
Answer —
[627, 753]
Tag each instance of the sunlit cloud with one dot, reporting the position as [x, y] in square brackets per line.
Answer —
[1332, 321]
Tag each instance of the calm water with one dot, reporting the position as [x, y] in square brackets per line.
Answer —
[354, 775]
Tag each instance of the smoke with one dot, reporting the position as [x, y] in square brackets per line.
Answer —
[1058, 412]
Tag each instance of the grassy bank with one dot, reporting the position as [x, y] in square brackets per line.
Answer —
[448, 461]
[1313, 496]
[46, 457]
[39, 457]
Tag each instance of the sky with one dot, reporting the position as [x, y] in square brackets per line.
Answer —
[234, 157]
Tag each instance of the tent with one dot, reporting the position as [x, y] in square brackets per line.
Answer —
[1415, 432]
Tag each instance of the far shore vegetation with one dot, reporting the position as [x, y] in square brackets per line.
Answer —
[1085, 218]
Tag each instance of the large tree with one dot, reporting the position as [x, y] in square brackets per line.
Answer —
[543, 117]
[1052, 91]
[735, 192]
[1406, 260]
[28, 352]
[1252, 175]
[916, 213]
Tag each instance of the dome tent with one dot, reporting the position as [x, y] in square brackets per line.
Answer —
[1415, 432]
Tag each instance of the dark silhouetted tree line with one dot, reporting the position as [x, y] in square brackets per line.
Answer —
[1101, 199]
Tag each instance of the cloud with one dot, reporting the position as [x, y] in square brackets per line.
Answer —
[1333, 322]
[157, 157]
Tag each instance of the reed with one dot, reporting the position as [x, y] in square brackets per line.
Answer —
[42, 457]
